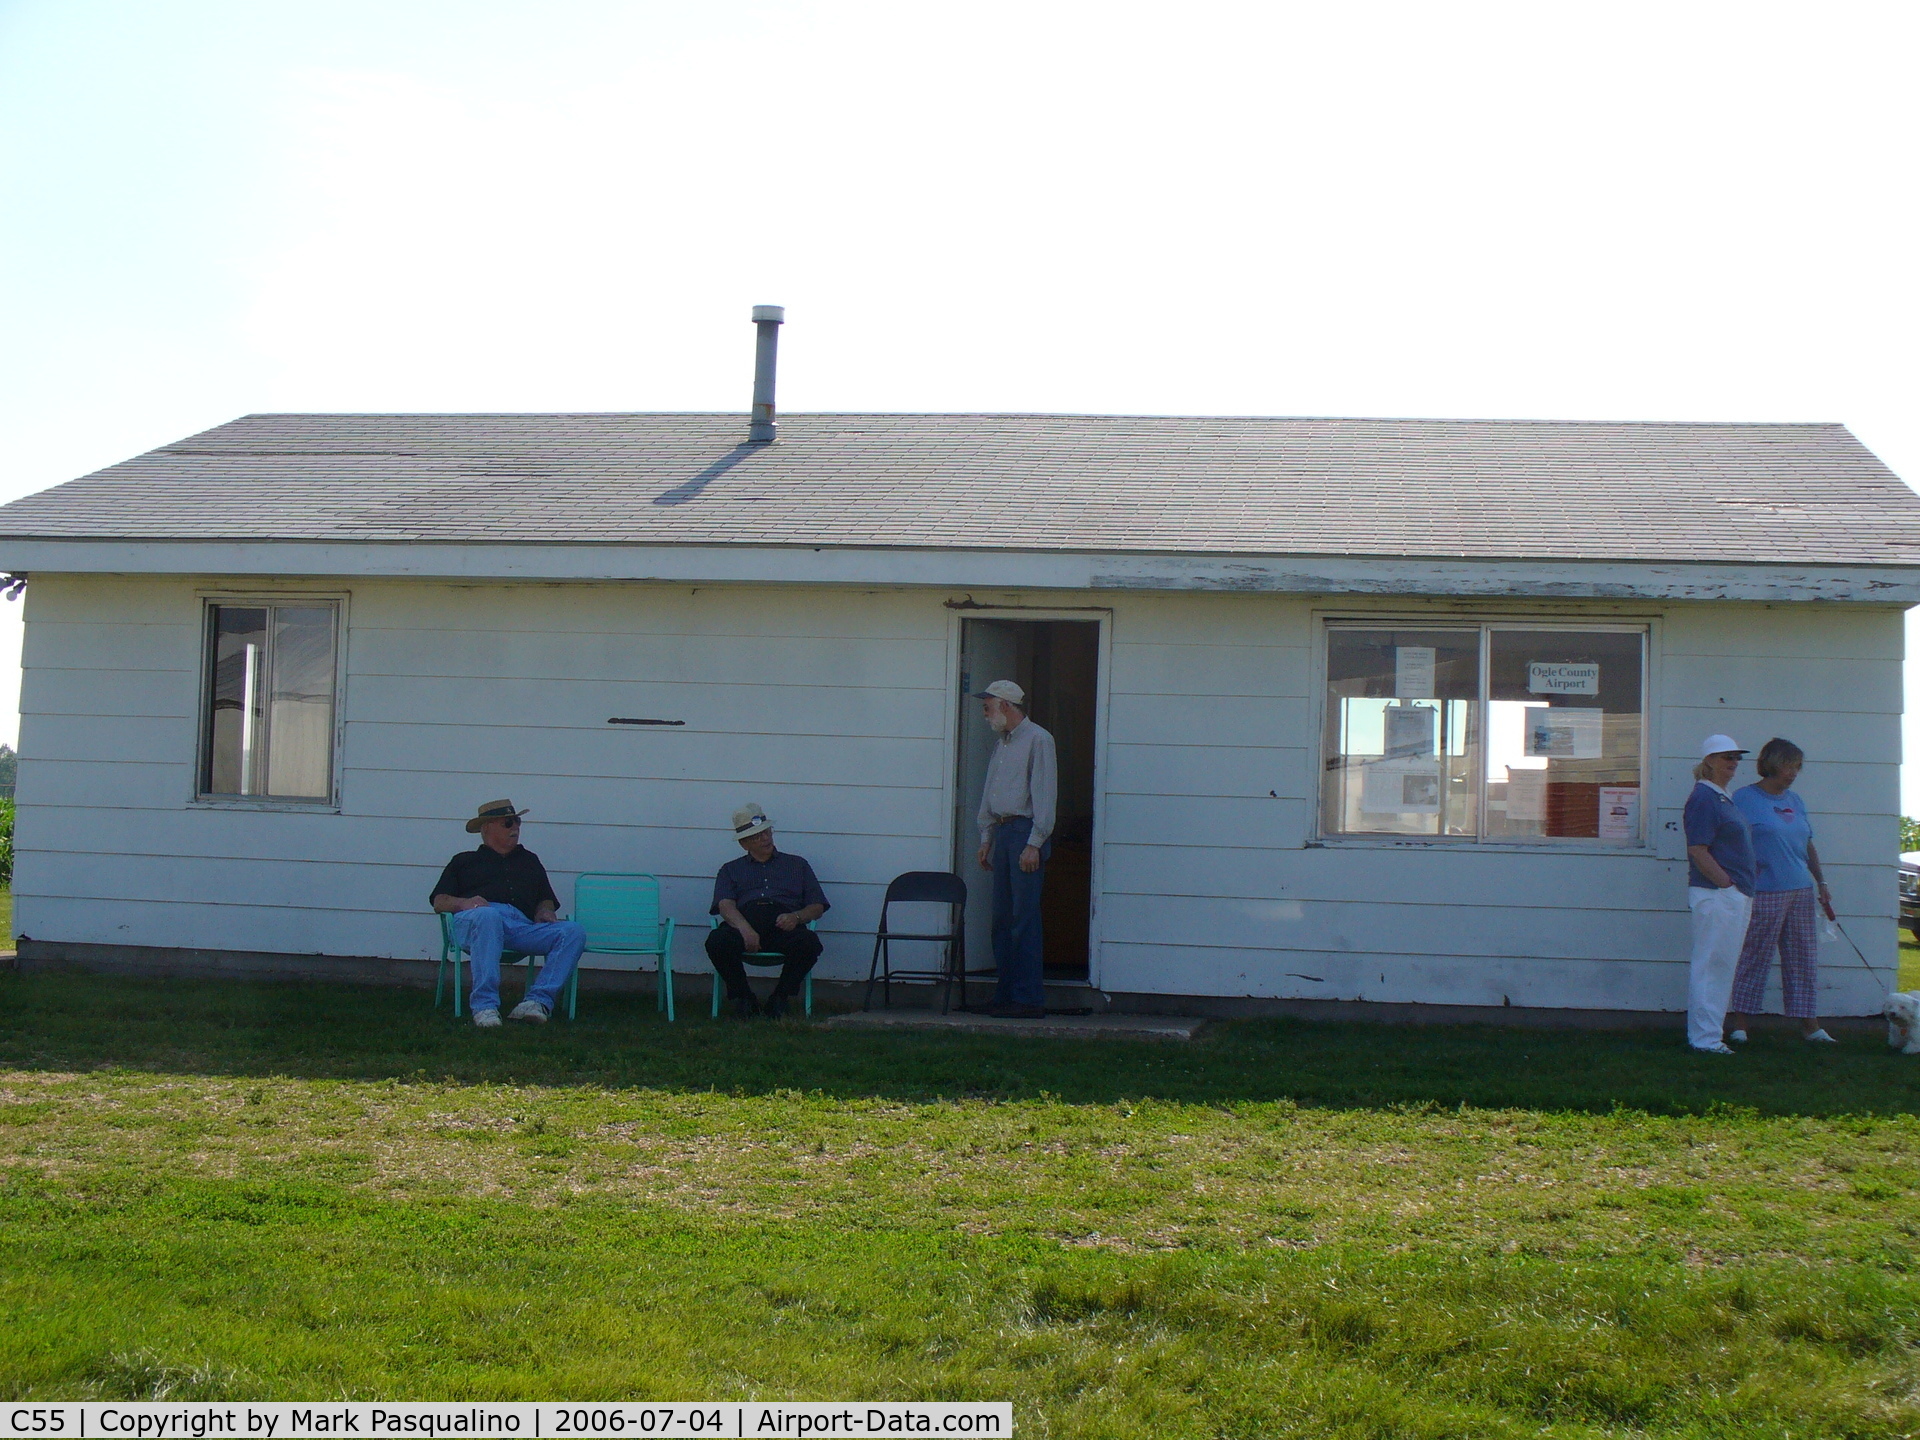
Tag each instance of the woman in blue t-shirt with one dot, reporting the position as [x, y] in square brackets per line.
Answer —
[1786, 874]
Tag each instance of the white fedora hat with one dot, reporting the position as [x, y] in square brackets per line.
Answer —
[750, 820]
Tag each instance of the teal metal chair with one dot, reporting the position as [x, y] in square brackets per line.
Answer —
[452, 954]
[763, 957]
[621, 915]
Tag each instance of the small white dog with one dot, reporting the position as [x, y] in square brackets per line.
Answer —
[1903, 1021]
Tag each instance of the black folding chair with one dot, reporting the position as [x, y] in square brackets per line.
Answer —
[935, 887]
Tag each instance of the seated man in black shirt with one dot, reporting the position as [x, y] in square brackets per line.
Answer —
[766, 899]
[500, 899]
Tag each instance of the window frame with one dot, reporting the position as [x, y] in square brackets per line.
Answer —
[1647, 628]
[203, 731]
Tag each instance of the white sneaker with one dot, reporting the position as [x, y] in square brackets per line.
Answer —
[487, 1019]
[1717, 1048]
[1820, 1037]
[1738, 1037]
[530, 1011]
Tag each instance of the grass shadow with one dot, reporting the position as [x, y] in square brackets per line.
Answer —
[72, 1022]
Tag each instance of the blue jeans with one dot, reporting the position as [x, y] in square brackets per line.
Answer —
[1017, 951]
[483, 934]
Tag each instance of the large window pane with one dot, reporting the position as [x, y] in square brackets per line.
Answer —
[269, 703]
[236, 710]
[300, 750]
[1563, 735]
[1403, 738]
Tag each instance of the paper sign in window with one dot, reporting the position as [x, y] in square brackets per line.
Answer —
[1398, 788]
[1413, 672]
[1563, 733]
[1527, 796]
[1555, 678]
[1410, 730]
[1619, 812]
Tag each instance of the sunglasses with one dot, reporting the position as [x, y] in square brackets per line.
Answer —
[512, 822]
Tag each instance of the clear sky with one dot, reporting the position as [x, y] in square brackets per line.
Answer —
[209, 207]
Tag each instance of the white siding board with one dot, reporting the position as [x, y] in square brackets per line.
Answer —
[1827, 737]
[1543, 880]
[158, 693]
[129, 784]
[766, 660]
[1209, 820]
[1824, 686]
[1207, 770]
[692, 804]
[1173, 619]
[1389, 927]
[746, 757]
[1830, 786]
[1222, 719]
[1786, 632]
[126, 738]
[65, 646]
[630, 609]
[1194, 669]
[588, 704]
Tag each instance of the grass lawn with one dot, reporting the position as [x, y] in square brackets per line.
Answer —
[1284, 1230]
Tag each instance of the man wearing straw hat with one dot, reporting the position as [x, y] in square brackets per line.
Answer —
[491, 892]
[764, 900]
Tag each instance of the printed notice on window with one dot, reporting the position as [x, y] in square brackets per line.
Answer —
[1563, 733]
[1409, 730]
[1527, 796]
[1413, 672]
[1550, 677]
[1397, 788]
[1619, 812]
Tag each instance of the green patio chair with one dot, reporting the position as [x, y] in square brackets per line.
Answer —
[452, 954]
[621, 915]
[763, 957]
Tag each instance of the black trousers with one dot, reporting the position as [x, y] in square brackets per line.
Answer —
[798, 949]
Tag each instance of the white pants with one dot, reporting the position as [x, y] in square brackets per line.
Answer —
[1719, 930]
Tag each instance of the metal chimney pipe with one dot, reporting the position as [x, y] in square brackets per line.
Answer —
[767, 319]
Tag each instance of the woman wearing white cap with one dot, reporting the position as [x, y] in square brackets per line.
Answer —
[1719, 891]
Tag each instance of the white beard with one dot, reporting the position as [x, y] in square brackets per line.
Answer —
[998, 720]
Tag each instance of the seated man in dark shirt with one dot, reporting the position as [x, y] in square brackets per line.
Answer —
[500, 899]
[766, 899]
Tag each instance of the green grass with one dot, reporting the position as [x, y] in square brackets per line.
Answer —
[1909, 962]
[1287, 1229]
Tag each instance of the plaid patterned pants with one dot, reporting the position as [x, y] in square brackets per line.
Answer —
[1782, 919]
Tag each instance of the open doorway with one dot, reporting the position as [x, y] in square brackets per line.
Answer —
[1057, 662]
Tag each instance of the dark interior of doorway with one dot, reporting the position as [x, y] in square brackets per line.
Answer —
[1057, 662]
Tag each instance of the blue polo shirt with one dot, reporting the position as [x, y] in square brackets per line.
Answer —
[785, 880]
[1781, 834]
[1713, 820]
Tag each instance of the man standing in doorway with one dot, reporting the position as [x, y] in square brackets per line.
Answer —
[1016, 825]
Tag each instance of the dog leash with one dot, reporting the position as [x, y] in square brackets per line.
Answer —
[1864, 964]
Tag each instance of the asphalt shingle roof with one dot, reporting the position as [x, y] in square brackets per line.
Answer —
[1442, 488]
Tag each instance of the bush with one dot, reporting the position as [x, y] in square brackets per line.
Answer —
[6, 841]
[1909, 834]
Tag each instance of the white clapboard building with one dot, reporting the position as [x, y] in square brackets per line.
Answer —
[1390, 711]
